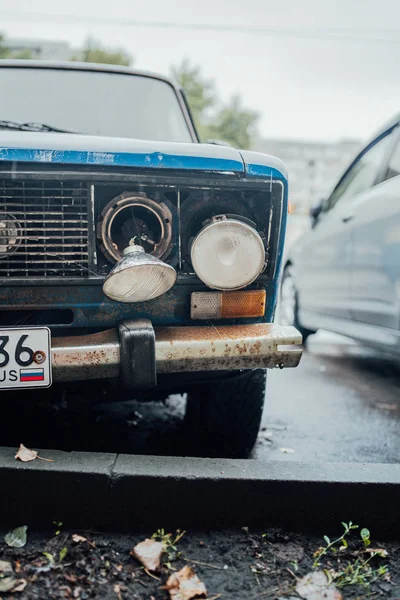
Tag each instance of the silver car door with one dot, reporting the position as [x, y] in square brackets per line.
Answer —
[375, 290]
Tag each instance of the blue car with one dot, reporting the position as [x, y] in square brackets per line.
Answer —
[132, 255]
[344, 274]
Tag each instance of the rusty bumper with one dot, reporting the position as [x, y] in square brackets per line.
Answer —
[181, 349]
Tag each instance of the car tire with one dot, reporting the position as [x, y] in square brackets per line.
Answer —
[223, 418]
[289, 304]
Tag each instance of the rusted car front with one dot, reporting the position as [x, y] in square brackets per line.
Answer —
[151, 264]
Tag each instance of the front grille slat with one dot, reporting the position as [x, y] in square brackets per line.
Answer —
[44, 229]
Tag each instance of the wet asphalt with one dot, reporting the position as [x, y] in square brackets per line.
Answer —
[341, 404]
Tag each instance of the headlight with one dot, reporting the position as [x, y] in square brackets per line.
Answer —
[228, 254]
[138, 277]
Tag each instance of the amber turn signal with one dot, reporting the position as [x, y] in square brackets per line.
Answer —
[228, 305]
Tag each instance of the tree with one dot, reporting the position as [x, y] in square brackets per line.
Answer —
[95, 53]
[200, 93]
[232, 122]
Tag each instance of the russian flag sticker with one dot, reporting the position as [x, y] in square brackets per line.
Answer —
[31, 375]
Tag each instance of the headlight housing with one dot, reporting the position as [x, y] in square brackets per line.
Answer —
[135, 215]
[228, 254]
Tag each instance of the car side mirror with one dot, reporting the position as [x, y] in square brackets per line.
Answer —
[315, 211]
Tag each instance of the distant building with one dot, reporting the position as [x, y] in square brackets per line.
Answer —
[313, 167]
[41, 49]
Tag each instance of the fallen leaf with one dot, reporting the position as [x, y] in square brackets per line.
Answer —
[5, 567]
[10, 584]
[117, 590]
[78, 539]
[7, 584]
[26, 455]
[378, 551]
[184, 585]
[386, 406]
[287, 450]
[315, 586]
[149, 554]
[20, 585]
[17, 537]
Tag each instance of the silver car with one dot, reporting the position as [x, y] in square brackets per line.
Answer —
[344, 274]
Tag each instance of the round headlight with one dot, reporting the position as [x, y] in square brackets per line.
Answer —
[228, 254]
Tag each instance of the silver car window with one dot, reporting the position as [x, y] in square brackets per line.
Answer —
[362, 174]
[393, 169]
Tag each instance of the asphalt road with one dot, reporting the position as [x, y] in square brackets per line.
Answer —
[341, 404]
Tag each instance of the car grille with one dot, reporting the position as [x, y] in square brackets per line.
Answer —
[43, 229]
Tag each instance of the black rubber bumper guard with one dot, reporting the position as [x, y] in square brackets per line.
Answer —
[138, 354]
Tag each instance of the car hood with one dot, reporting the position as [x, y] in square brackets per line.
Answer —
[61, 148]
[76, 149]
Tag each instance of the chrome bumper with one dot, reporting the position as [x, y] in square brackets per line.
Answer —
[181, 349]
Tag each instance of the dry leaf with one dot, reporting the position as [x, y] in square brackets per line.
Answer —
[26, 455]
[184, 585]
[149, 554]
[78, 538]
[5, 567]
[10, 584]
[117, 590]
[7, 584]
[17, 537]
[315, 586]
[20, 585]
[378, 551]
[386, 406]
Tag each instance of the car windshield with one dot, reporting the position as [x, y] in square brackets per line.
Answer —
[93, 103]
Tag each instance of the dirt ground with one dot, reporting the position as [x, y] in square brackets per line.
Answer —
[234, 565]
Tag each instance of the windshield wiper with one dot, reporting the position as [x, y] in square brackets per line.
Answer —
[32, 127]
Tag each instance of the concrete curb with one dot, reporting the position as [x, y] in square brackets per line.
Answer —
[134, 493]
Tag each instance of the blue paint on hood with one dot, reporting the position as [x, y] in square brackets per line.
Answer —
[75, 149]
[262, 165]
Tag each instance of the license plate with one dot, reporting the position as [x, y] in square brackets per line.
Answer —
[25, 358]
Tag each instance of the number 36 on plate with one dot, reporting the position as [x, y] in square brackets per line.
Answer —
[25, 357]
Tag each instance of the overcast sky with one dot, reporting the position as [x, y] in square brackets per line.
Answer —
[309, 88]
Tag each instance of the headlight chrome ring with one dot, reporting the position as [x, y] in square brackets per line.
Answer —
[134, 215]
